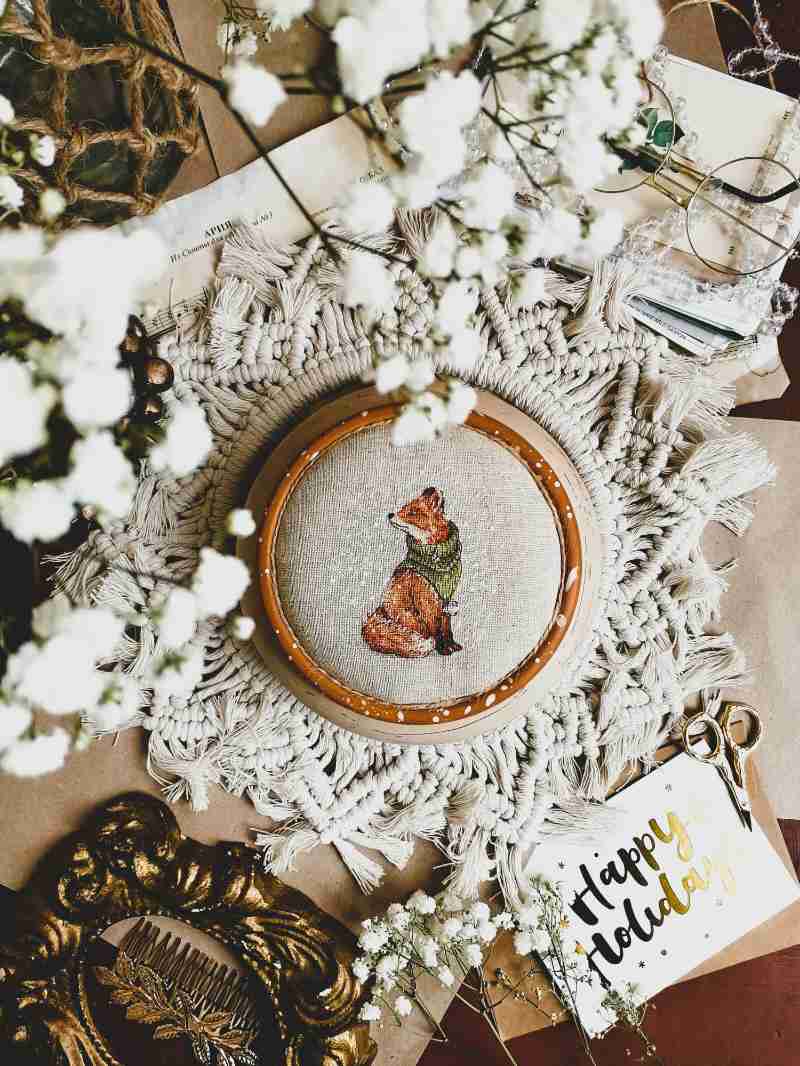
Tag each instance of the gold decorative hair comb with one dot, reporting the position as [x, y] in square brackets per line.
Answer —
[163, 981]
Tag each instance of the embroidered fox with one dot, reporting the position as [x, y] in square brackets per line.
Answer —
[414, 618]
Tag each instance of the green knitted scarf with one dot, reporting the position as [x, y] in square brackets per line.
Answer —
[440, 564]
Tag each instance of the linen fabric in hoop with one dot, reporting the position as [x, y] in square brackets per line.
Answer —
[429, 604]
[645, 429]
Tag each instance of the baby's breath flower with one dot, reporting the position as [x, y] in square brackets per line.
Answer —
[240, 522]
[11, 194]
[218, 582]
[43, 150]
[487, 931]
[51, 205]
[370, 1012]
[40, 755]
[403, 1006]
[421, 902]
[391, 373]
[523, 944]
[6, 109]
[452, 927]
[252, 90]
[281, 13]
[429, 950]
[397, 916]
[480, 911]
[473, 954]
[242, 627]
[373, 939]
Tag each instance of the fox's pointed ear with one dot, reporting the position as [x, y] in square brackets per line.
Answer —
[434, 497]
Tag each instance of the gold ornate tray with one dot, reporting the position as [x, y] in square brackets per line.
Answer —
[418, 593]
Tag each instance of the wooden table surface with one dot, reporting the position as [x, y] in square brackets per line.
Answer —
[747, 1015]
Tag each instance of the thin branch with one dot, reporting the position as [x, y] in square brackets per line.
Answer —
[520, 162]
[219, 87]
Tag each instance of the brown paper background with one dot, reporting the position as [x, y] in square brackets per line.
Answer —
[761, 609]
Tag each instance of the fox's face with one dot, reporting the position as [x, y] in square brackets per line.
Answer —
[423, 518]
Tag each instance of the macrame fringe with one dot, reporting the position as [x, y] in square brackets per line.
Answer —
[645, 430]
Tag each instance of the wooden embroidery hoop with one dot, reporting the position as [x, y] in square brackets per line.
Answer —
[447, 721]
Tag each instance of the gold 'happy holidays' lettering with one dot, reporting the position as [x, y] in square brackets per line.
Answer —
[642, 926]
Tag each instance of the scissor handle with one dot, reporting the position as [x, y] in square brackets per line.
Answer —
[755, 732]
[716, 754]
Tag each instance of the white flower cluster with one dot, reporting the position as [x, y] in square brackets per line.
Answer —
[81, 288]
[541, 928]
[42, 152]
[60, 670]
[252, 91]
[568, 83]
[215, 589]
[443, 936]
[57, 672]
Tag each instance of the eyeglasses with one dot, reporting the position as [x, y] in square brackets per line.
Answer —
[741, 218]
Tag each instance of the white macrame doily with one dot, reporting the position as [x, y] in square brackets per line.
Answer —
[646, 431]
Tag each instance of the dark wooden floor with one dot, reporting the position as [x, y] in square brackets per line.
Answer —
[748, 1015]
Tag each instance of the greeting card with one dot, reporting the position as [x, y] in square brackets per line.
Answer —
[678, 880]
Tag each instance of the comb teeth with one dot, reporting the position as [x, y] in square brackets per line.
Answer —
[211, 985]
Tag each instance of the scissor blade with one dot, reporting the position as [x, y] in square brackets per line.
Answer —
[740, 802]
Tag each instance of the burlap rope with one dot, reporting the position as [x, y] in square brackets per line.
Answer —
[140, 72]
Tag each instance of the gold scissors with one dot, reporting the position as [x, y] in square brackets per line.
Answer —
[717, 741]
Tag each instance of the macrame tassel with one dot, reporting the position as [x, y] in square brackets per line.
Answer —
[249, 255]
[227, 321]
[194, 771]
[588, 324]
[699, 587]
[282, 848]
[417, 227]
[395, 849]
[593, 784]
[471, 863]
[731, 466]
[510, 872]
[713, 662]
[564, 777]
[367, 873]
[153, 509]
[624, 286]
[77, 572]
[424, 818]
[464, 803]
[583, 821]
[559, 289]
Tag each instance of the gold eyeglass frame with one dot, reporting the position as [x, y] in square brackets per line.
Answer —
[130, 859]
[662, 180]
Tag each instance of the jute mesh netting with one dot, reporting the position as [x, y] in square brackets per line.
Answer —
[123, 120]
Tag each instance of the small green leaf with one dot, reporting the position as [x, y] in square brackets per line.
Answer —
[663, 134]
[649, 119]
